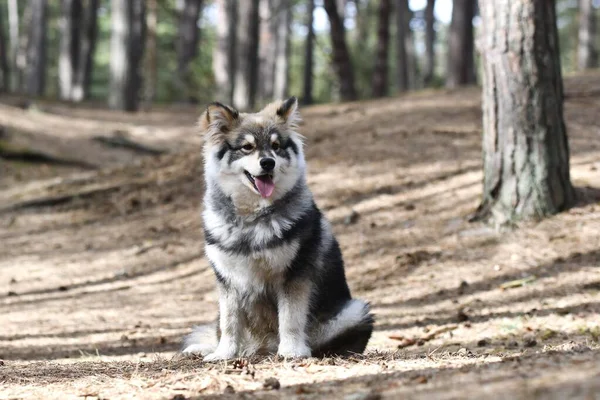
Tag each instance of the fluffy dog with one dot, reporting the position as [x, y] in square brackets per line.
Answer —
[279, 269]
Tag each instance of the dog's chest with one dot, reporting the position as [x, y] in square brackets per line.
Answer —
[252, 272]
[241, 235]
[251, 256]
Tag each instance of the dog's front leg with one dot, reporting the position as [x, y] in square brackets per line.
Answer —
[230, 323]
[293, 307]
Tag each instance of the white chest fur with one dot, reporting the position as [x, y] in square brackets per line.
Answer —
[256, 263]
[253, 272]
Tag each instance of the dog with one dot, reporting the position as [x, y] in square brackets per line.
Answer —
[279, 270]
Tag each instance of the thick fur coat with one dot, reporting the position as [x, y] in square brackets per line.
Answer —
[278, 267]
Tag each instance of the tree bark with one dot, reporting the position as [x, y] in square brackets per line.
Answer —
[363, 50]
[380, 71]
[267, 48]
[68, 59]
[128, 33]
[429, 70]
[587, 55]
[283, 25]
[225, 49]
[87, 48]
[21, 50]
[4, 63]
[405, 51]
[120, 60]
[274, 43]
[13, 28]
[307, 97]
[341, 7]
[341, 57]
[461, 61]
[525, 147]
[246, 68]
[150, 59]
[35, 71]
[188, 37]
[411, 52]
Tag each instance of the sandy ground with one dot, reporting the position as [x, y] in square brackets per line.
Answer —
[102, 269]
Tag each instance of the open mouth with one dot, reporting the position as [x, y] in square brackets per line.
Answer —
[262, 183]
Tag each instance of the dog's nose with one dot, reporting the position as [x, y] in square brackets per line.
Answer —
[267, 163]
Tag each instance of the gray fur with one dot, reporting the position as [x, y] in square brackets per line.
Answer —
[279, 270]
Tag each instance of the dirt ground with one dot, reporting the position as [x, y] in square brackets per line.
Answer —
[102, 269]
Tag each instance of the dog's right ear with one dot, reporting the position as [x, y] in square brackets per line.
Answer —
[217, 120]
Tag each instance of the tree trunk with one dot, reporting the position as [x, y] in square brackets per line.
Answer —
[283, 25]
[188, 36]
[120, 60]
[4, 63]
[341, 7]
[128, 33]
[411, 52]
[380, 72]
[13, 28]
[429, 69]
[139, 30]
[341, 57]
[225, 49]
[587, 56]
[405, 52]
[364, 11]
[150, 62]
[307, 97]
[275, 16]
[68, 59]
[246, 69]
[35, 71]
[363, 49]
[461, 62]
[87, 47]
[21, 55]
[525, 147]
[267, 48]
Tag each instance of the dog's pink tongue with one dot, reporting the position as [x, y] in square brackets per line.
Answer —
[265, 185]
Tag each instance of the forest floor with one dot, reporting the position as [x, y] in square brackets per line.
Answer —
[102, 270]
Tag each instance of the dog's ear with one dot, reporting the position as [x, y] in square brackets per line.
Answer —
[218, 119]
[288, 111]
[218, 115]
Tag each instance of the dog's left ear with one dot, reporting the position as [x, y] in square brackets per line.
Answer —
[288, 111]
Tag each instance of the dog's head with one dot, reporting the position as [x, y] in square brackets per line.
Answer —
[253, 155]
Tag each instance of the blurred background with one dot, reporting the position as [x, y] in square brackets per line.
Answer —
[132, 54]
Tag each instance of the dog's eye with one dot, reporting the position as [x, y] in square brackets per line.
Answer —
[275, 145]
[248, 147]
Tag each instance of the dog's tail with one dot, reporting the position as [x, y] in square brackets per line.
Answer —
[347, 333]
[203, 340]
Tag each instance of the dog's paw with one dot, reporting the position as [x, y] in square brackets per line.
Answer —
[198, 349]
[219, 356]
[296, 350]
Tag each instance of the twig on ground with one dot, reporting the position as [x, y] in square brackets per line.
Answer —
[517, 283]
[407, 342]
